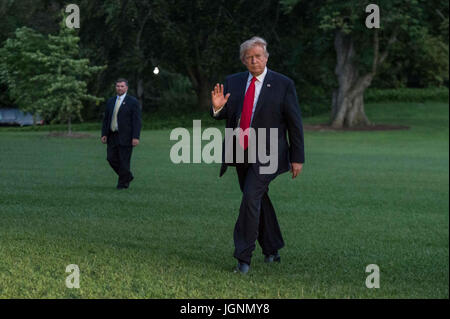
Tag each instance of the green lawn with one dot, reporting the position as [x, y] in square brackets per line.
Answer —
[363, 198]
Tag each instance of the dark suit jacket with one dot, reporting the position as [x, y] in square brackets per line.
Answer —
[128, 119]
[277, 107]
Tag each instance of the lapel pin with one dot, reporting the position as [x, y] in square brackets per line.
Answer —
[268, 85]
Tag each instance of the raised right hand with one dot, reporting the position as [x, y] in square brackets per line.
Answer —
[218, 100]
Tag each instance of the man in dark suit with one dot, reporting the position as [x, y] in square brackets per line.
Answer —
[121, 129]
[259, 99]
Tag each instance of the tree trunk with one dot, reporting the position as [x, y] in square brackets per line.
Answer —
[348, 100]
[348, 109]
[202, 88]
[144, 60]
[140, 92]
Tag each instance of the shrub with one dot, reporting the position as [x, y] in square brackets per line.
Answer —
[406, 95]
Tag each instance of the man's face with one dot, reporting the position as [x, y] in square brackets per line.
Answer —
[255, 60]
[121, 88]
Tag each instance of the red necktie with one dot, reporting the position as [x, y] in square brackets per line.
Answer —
[246, 114]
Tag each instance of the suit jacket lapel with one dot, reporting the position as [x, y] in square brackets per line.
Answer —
[265, 89]
[111, 106]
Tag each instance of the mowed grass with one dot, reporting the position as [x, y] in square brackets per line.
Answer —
[363, 198]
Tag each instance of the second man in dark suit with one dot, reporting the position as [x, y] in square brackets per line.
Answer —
[120, 131]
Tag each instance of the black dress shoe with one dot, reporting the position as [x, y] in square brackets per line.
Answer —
[272, 258]
[242, 268]
[121, 185]
[127, 184]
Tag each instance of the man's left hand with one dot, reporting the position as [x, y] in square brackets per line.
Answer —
[135, 142]
[296, 169]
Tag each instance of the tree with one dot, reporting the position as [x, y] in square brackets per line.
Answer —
[63, 81]
[45, 74]
[40, 15]
[199, 41]
[18, 68]
[420, 59]
[303, 52]
[360, 51]
[120, 33]
[201, 38]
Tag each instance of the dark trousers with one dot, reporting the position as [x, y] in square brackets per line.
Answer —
[257, 219]
[119, 157]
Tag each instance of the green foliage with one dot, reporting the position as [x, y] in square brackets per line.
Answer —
[425, 65]
[35, 14]
[419, 57]
[407, 95]
[432, 68]
[313, 100]
[199, 41]
[63, 79]
[18, 68]
[179, 95]
[45, 75]
[402, 17]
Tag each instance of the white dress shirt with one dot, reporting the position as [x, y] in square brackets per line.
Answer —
[258, 85]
